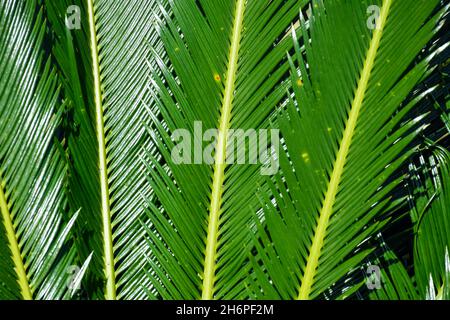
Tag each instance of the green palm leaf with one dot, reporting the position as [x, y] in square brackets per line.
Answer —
[35, 252]
[227, 66]
[346, 133]
[105, 78]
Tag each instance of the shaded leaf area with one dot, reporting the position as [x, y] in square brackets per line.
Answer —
[35, 249]
[100, 101]
[335, 190]
[438, 79]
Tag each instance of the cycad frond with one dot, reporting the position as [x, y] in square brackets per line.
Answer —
[34, 251]
[346, 134]
[105, 75]
[227, 65]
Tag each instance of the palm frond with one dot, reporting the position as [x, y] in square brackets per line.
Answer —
[350, 109]
[35, 252]
[105, 75]
[226, 69]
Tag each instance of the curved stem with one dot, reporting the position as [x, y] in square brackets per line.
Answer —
[110, 273]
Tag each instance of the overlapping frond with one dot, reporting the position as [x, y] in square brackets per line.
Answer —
[227, 66]
[347, 131]
[431, 216]
[430, 277]
[35, 250]
[104, 70]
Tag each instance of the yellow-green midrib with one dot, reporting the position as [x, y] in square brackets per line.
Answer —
[108, 246]
[209, 272]
[333, 187]
[13, 244]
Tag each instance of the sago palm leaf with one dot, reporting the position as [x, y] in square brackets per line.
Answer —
[103, 65]
[35, 253]
[347, 131]
[227, 66]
